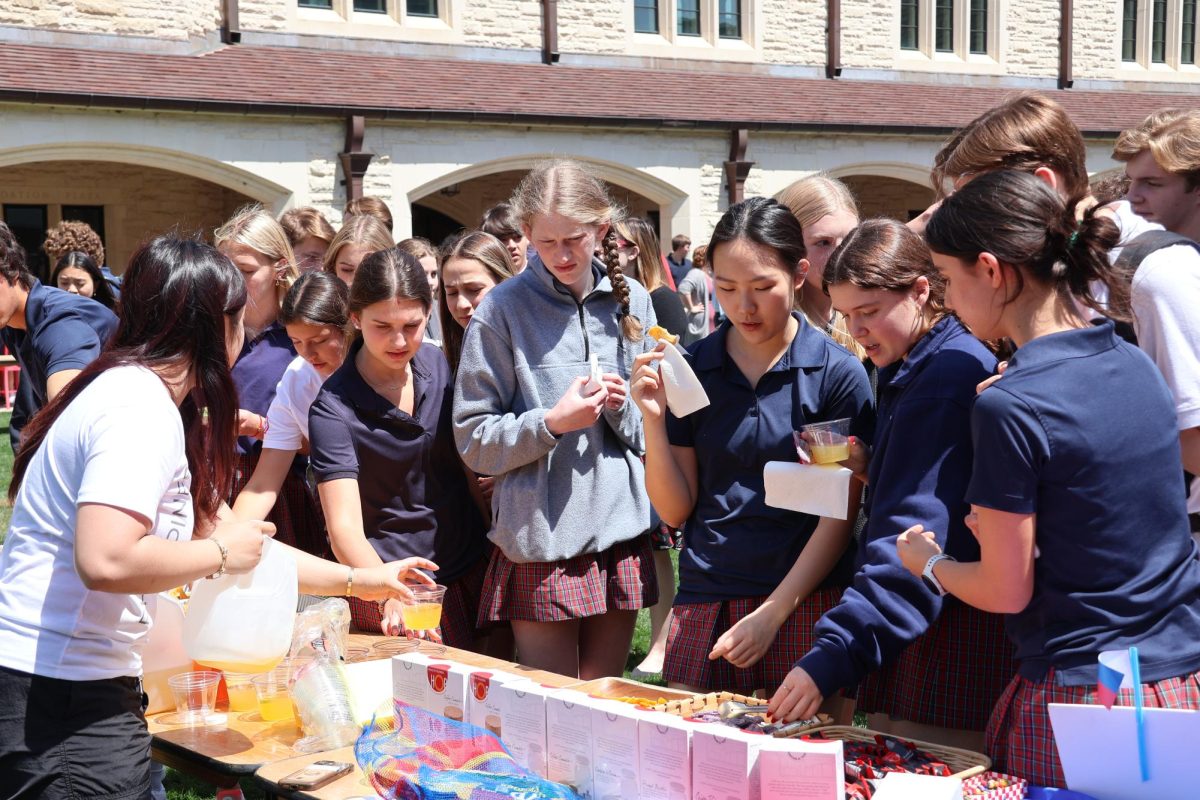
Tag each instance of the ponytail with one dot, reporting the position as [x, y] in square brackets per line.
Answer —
[631, 326]
[1023, 222]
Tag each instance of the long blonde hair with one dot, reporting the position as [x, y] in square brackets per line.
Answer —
[253, 226]
[568, 188]
[648, 266]
[474, 246]
[811, 199]
[361, 230]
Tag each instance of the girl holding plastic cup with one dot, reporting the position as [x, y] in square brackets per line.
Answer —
[1075, 491]
[391, 483]
[753, 579]
[943, 663]
[99, 526]
[572, 563]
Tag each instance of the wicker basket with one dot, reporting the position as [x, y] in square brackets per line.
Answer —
[711, 702]
[963, 763]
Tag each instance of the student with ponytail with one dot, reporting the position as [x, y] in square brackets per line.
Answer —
[1075, 492]
[928, 668]
[752, 579]
[572, 563]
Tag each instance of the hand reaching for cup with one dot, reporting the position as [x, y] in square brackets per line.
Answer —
[391, 580]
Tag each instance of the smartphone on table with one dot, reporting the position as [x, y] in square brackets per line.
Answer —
[315, 775]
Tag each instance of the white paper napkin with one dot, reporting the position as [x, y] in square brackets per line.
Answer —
[808, 488]
[685, 394]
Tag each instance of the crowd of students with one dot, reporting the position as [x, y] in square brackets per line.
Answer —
[491, 411]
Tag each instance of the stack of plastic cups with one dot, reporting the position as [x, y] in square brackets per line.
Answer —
[322, 698]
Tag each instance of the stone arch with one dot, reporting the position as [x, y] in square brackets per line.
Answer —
[887, 188]
[274, 196]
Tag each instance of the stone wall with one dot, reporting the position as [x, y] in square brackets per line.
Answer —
[178, 19]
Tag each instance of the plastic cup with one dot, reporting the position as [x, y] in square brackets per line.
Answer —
[829, 441]
[195, 695]
[274, 701]
[242, 694]
[424, 612]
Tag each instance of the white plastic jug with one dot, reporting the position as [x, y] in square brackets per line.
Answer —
[243, 623]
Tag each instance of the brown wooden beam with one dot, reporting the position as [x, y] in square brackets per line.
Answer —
[737, 168]
[354, 160]
[1066, 77]
[550, 31]
[833, 38]
[231, 26]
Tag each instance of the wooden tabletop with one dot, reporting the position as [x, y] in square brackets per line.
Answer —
[354, 784]
[222, 755]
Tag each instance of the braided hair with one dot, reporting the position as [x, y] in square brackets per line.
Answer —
[631, 326]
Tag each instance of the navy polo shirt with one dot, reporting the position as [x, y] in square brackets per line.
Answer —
[734, 544]
[256, 374]
[415, 498]
[919, 471]
[62, 331]
[1081, 432]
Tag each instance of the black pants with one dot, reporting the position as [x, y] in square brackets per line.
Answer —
[76, 740]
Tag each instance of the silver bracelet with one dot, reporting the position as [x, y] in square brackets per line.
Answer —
[224, 556]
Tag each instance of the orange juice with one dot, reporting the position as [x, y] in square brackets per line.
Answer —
[245, 667]
[242, 697]
[276, 707]
[830, 453]
[422, 616]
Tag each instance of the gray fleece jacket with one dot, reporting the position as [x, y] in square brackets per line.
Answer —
[554, 497]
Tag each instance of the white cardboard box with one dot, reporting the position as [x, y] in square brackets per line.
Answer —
[523, 720]
[615, 750]
[410, 683]
[483, 698]
[793, 769]
[447, 695]
[664, 757]
[569, 740]
[725, 763]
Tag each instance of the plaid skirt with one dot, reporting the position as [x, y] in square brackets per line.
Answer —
[1020, 739]
[621, 578]
[459, 609]
[695, 628]
[296, 515]
[951, 677]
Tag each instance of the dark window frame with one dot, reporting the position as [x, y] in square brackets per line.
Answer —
[648, 10]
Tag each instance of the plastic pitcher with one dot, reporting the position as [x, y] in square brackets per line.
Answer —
[243, 623]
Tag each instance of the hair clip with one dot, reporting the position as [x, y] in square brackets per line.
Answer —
[204, 416]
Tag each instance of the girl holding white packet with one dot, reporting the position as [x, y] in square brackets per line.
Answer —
[753, 579]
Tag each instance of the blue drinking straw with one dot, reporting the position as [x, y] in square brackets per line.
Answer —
[1139, 713]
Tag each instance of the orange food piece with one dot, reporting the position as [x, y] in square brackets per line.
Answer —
[662, 334]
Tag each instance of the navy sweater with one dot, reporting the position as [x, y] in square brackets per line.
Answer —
[919, 473]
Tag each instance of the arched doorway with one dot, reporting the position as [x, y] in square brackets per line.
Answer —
[125, 203]
[465, 194]
[899, 191]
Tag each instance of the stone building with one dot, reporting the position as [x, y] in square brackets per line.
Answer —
[137, 115]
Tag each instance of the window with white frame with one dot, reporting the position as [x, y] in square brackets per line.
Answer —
[1159, 33]
[398, 10]
[712, 21]
[940, 28]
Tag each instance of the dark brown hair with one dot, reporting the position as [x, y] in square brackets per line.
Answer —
[389, 275]
[1025, 132]
[1021, 221]
[317, 298]
[177, 300]
[882, 253]
[369, 207]
[501, 221]
[767, 223]
[12, 259]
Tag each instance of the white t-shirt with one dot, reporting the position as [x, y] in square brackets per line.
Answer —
[1166, 294]
[120, 443]
[288, 416]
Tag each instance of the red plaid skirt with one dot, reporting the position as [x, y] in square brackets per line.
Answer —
[459, 609]
[297, 514]
[621, 578]
[1020, 739]
[952, 676]
[695, 628]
